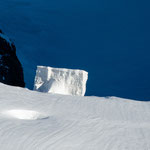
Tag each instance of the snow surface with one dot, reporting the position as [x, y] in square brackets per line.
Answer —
[60, 81]
[24, 114]
[72, 122]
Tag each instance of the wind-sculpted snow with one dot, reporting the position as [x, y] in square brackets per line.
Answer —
[61, 81]
[71, 122]
[24, 114]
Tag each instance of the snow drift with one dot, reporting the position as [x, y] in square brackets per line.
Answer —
[72, 122]
[61, 81]
[24, 114]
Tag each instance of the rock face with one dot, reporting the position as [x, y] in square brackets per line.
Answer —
[11, 71]
[60, 81]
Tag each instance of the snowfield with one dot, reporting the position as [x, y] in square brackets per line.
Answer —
[32, 120]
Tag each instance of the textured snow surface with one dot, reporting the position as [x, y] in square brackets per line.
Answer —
[60, 81]
[72, 122]
[24, 114]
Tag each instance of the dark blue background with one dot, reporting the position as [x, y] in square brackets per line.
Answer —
[109, 39]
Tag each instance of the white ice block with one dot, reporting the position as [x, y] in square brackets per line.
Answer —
[60, 81]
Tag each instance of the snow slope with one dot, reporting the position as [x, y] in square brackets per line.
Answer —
[31, 120]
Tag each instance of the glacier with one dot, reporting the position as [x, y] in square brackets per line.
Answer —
[31, 120]
[60, 81]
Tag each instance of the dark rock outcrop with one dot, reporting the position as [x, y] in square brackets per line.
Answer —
[11, 71]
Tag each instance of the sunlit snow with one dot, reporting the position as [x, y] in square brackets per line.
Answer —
[60, 81]
[72, 123]
[24, 114]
